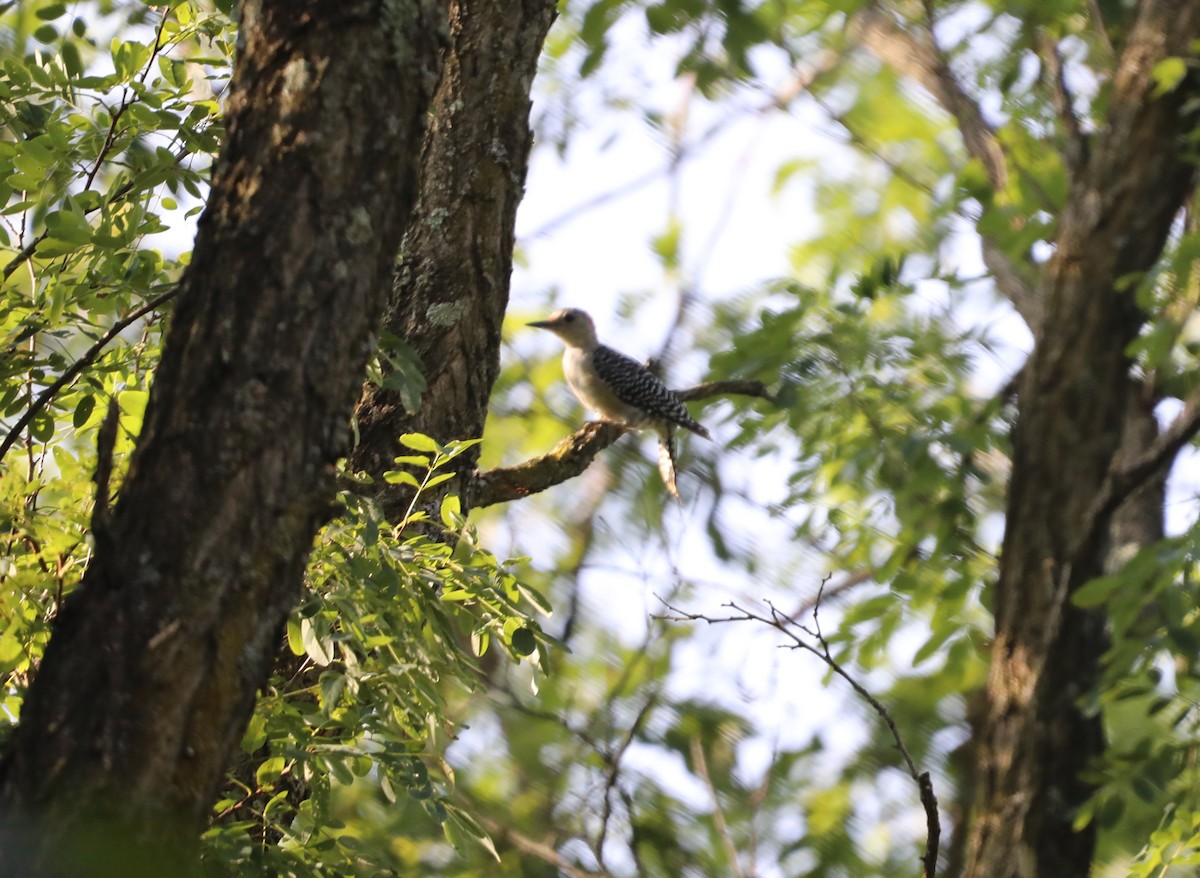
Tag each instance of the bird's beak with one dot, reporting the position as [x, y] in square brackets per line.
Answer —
[542, 324]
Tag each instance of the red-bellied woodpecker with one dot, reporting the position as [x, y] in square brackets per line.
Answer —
[619, 388]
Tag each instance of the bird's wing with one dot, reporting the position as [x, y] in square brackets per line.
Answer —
[637, 386]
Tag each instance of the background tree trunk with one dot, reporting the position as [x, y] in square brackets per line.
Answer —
[154, 662]
[1076, 401]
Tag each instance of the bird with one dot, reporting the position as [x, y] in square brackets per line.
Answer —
[619, 388]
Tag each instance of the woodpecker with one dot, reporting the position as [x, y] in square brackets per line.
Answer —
[620, 389]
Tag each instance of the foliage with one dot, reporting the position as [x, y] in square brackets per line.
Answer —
[384, 669]
[106, 145]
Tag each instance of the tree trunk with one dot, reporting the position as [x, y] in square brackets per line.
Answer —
[474, 161]
[451, 291]
[154, 662]
[1076, 403]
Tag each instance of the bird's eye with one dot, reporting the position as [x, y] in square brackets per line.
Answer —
[569, 318]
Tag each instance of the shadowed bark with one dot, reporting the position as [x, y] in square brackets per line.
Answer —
[451, 290]
[448, 297]
[154, 662]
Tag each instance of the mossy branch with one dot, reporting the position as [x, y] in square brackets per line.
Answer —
[574, 454]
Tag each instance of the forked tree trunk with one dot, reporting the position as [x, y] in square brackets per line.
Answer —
[1076, 411]
[154, 662]
[451, 290]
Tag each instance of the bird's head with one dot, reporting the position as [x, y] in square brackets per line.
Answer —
[573, 326]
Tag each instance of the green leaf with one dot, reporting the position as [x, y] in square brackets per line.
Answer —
[71, 59]
[536, 598]
[1096, 592]
[523, 641]
[318, 647]
[83, 411]
[256, 733]
[68, 225]
[270, 770]
[420, 442]
[413, 460]
[41, 428]
[401, 477]
[451, 510]
[1167, 75]
[453, 835]
[295, 636]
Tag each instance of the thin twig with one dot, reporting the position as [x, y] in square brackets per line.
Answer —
[796, 84]
[1101, 31]
[542, 851]
[79, 365]
[794, 631]
[925, 62]
[1125, 477]
[614, 769]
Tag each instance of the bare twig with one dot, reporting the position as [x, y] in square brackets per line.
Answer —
[795, 632]
[614, 769]
[847, 583]
[1101, 31]
[574, 454]
[69, 374]
[1016, 280]
[917, 55]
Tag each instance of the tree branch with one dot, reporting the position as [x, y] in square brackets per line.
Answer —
[719, 820]
[79, 365]
[924, 62]
[613, 759]
[1126, 477]
[1014, 282]
[574, 454]
[727, 387]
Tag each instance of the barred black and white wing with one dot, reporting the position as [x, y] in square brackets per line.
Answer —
[637, 387]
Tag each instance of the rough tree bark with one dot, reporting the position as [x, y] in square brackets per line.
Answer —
[154, 662]
[444, 305]
[451, 291]
[1076, 409]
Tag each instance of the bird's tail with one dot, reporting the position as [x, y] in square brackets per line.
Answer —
[666, 460]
